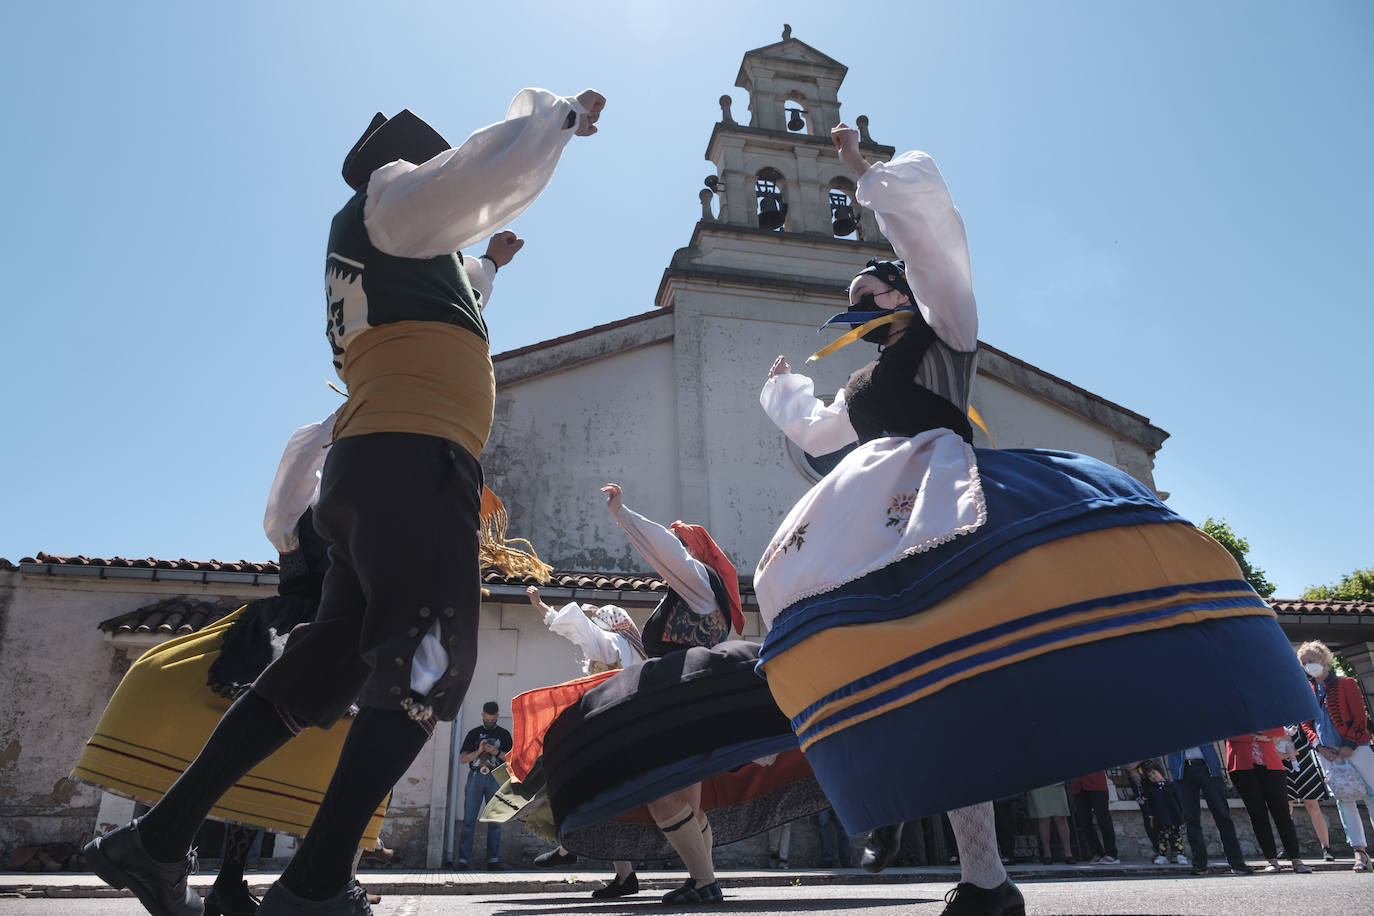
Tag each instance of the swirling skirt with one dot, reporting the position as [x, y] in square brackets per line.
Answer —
[1019, 641]
[160, 717]
[695, 716]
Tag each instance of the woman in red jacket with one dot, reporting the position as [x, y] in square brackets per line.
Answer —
[1259, 776]
[1340, 733]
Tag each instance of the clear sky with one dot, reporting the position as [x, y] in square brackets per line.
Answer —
[1168, 203]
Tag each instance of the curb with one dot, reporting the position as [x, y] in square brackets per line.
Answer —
[73, 885]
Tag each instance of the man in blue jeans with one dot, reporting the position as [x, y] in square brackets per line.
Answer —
[1197, 771]
[483, 750]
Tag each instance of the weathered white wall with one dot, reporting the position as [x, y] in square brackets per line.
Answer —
[561, 436]
[58, 672]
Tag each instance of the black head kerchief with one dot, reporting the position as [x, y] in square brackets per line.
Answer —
[893, 273]
[403, 136]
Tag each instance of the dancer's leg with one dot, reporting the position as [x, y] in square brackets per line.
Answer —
[380, 746]
[250, 731]
[679, 822]
[975, 833]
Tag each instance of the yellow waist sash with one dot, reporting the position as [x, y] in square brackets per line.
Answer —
[419, 377]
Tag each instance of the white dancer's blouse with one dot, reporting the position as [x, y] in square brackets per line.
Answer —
[597, 645]
[464, 194]
[684, 573]
[917, 214]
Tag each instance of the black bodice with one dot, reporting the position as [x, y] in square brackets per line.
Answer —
[885, 400]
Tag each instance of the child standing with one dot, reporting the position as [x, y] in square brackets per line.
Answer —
[1166, 812]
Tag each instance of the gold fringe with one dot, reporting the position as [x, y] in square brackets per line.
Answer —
[505, 555]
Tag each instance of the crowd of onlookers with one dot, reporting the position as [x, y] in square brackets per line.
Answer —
[1304, 763]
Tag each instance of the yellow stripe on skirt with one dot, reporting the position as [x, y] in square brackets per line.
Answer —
[160, 717]
[1079, 569]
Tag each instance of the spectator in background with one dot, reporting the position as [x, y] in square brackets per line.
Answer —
[483, 750]
[1045, 804]
[1090, 803]
[1133, 772]
[1305, 784]
[1259, 776]
[1197, 773]
[827, 826]
[1164, 810]
[1340, 735]
[779, 844]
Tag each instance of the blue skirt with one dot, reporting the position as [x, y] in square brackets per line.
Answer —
[1016, 655]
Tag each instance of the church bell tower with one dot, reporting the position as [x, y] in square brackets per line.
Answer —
[779, 206]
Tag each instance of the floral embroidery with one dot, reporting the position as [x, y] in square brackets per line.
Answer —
[899, 512]
[797, 539]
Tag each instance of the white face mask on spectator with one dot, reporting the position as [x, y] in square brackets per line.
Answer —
[1314, 668]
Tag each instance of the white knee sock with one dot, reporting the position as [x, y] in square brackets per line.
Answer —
[684, 835]
[975, 833]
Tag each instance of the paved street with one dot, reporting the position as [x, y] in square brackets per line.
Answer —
[1310, 895]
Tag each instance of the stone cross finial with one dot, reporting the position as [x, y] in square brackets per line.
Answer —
[786, 31]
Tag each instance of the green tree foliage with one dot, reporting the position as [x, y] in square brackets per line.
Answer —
[1238, 548]
[1355, 586]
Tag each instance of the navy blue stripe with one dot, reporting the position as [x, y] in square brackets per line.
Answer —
[1061, 714]
[1033, 642]
[1020, 623]
[1033, 496]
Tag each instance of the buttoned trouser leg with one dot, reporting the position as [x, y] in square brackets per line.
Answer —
[401, 513]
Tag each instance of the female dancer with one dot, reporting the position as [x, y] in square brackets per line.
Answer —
[690, 731]
[609, 641]
[924, 587]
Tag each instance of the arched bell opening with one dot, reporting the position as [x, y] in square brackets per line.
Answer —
[844, 211]
[768, 188]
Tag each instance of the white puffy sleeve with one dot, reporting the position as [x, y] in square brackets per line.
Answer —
[464, 194]
[917, 215]
[481, 277]
[573, 624]
[790, 402]
[297, 482]
[684, 573]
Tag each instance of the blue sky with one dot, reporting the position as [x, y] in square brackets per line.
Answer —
[1168, 204]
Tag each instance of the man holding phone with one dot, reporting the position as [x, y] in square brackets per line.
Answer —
[483, 750]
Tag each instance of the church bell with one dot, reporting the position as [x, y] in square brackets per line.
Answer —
[772, 212]
[844, 222]
[795, 122]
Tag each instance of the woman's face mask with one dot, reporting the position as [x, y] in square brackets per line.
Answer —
[1315, 669]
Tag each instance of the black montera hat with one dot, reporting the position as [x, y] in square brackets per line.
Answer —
[893, 273]
[404, 135]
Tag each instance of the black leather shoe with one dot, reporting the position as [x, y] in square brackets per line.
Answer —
[616, 889]
[554, 858]
[351, 901]
[969, 900]
[881, 848]
[230, 901]
[689, 893]
[120, 860]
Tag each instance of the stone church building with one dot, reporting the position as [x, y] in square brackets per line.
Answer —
[663, 401]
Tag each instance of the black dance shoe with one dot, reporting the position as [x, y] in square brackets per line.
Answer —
[120, 860]
[969, 900]
[881, 848]
[554, 858]
[234, 900]
[689, 893]
[615, 889]
[351, 901]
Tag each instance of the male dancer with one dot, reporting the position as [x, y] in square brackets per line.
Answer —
[399, 501]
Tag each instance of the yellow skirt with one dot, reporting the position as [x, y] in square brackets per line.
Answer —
[160, 717]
